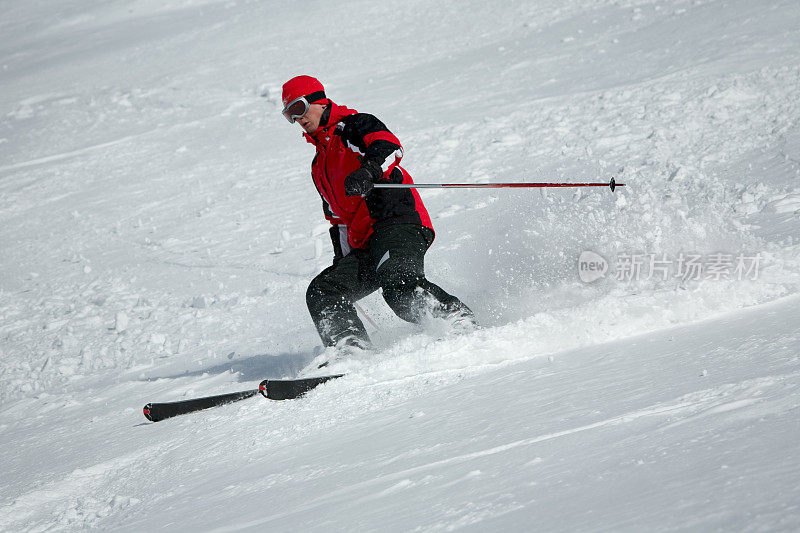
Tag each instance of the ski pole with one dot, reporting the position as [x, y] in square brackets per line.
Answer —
[612, 184]
[361, 310]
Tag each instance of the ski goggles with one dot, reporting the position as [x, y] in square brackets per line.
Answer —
[299, 106]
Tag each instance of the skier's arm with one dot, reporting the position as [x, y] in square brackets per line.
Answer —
[381, 151]
[369, 136]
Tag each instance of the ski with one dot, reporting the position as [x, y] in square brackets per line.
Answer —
[289, 389]
[273, 389]
[155, 412]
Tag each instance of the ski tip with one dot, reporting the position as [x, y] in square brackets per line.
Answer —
[146, 410]
[289, 389]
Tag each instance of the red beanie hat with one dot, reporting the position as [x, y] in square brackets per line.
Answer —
[303, 86]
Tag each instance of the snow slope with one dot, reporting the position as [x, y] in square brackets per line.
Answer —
[694, 427]
[158, 228]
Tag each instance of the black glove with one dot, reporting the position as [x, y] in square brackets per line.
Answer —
[360, 182]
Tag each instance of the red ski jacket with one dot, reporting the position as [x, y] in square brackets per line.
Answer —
[344, 139]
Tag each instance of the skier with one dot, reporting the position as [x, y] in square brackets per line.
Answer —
[379, 236]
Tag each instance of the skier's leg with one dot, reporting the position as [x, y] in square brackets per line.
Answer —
[398, 255]
[331, 296]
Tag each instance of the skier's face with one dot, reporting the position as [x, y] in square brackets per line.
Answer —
[310, 121]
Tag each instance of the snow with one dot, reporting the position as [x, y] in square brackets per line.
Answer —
[158, 229]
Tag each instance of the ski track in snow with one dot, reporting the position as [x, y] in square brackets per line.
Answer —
[159, 229]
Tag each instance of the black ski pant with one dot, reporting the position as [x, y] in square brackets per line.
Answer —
[393, 261]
